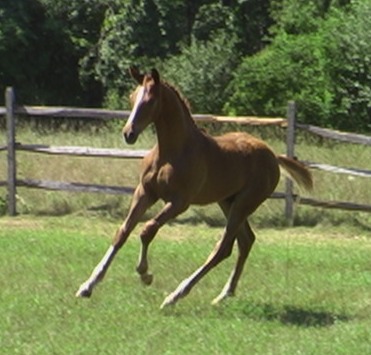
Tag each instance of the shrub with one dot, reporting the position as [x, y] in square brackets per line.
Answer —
[291, 68]
[203, 70]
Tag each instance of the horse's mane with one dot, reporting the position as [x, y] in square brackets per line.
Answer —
[182, 99]
[184, 102]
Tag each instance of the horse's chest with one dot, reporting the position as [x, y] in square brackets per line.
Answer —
[160, 179]
[164, 175]
[170, 181]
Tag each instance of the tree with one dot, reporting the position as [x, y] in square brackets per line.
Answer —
[348, 37]
[143, 32]
[252, 22]
[41, 43]
[210, 19]
[321, 60]
[137, 32]
[21, 27]
[80, 22]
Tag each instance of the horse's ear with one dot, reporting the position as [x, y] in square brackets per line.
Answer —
[135, 74]
[155, 76]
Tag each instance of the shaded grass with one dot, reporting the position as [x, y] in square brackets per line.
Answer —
[305, 290]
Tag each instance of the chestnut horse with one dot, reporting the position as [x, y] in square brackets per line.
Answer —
[188, 166]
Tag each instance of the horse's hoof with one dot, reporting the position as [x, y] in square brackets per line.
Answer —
[168, 301]
[217, 301]
[83, 292]
[221, 298]
[147, 279]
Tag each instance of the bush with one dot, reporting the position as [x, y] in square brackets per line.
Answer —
[203, 70]
[291, 68]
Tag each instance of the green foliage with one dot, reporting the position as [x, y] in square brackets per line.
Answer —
[40, 46]
[203, 70]
[81, 22]
[21, 27]
[348, 37]
[298, 17]
[77, 53]
[210, 19]
[3, 206]
[138, 32]
[252, 22]
[291, 68]
[322, 62]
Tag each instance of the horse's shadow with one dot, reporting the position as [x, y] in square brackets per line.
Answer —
[285, 314]
[291, 315]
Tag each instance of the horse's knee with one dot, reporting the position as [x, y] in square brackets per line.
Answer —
[222, 251]
[244, 246]
[227, 250]
[245, 241]
[120, 237]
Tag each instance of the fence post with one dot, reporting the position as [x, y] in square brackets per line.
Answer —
[10, 125]
[290, 152]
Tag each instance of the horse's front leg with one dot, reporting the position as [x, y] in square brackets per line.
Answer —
[170, 210]
[140, 203]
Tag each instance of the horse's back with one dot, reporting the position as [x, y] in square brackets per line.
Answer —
[248, 154]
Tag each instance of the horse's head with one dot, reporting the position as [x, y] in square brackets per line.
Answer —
[144, 100]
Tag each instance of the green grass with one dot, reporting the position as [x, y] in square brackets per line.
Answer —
[304, 291]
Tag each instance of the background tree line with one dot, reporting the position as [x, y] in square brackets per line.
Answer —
[228, 57]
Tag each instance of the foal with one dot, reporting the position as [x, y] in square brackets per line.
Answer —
[187, 166]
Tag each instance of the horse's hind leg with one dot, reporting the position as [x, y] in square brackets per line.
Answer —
[245, 240]
[237, 211]
[221, 251]
[139, 205]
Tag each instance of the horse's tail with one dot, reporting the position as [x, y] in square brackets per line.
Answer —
[297, 171]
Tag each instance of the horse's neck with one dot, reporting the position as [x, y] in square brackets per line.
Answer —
[175, 128]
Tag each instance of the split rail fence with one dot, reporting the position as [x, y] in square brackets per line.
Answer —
[12, 146]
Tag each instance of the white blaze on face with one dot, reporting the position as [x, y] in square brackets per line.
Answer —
[138, 100]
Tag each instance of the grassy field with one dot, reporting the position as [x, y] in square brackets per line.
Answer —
[304, 291]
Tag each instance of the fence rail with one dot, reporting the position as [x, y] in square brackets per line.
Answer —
[74, 187]
[11, 110]
[339, 170]
[83, 151]
[337, 135]
[103, 114]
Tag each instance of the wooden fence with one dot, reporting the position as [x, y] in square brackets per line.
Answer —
[11, 110]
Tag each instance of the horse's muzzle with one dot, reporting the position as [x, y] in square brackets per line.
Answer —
[129, 135]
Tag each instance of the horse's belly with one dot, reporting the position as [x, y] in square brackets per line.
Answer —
[220, 187]
[237, 170]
